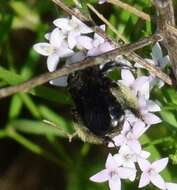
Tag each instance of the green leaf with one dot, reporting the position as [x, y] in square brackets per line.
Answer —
[35, 127]
[15, 107]
[169, 117]
[10, 77]
[60, 96]
[30, 105]
[51, 116]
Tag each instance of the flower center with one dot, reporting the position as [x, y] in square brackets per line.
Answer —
[113, 175]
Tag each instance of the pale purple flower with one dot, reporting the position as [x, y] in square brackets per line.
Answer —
[63, 81]
[129, 135]
[123, 62]
[146, 107]
[113, 173]
[102, 48]
[171, 186]
[139, 86]
[127, 158]
[73, 28]
[56, 48]
[151, 172]
[157, 60]
[99, 45]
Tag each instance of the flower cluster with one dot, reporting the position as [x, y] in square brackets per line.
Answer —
[131, 155]
[70, 41]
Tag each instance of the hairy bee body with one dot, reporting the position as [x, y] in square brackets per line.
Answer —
[99, 111]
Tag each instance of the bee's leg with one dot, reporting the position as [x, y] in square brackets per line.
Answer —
[108, 140]
[112, 64]
[65, 133]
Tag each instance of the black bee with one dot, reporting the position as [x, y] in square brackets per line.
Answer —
[100, 103]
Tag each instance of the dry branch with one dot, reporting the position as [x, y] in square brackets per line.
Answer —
[132, 56]
[166, 18]
[131, 9]
[90, 61]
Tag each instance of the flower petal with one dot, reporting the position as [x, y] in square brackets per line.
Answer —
[64, 51]
[156, 52]
[111, 163]
[63, 23]
[105, 47]
[134, 145]
[151, 119]
[62, 81]
[84, 42]
[127, 173]
[76, 57]
[100, 177]
[159, 165]
[118, 141]
[56, 37]
[93, 52]
[144, 164]
[144, 180]
[171, 186]
[82, 28]
[127, 77]
[115, 184]
[152, 106]
[52, 62]
[142, 87]
[119, 159]
[43, 48]
[158, 181]
[139, 128]
[145, 154]
[72, 39]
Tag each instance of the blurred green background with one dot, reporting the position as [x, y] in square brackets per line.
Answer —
[35, 155]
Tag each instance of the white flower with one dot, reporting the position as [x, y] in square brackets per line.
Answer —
[99, 45]
[145, 108]
[55, 49]
[151, 172]
[129, 135]
[127, 157]
[171, 186]
[73, 28]
[61, 81]
[157, 60]
[113, 173]
[139, 86]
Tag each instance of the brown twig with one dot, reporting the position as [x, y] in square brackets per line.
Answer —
[90, 61]
[166, 18]
[172, 30]
[134, 57]
[101, 17]
[131, 9]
